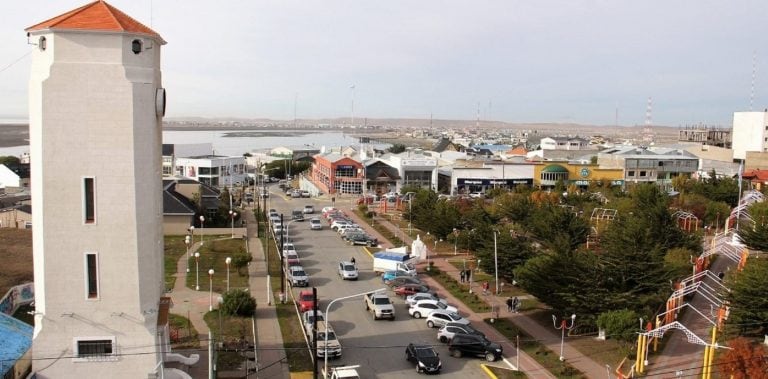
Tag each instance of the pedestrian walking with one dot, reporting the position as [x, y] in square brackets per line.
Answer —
[485, 287]
[515, 304]
[461, 276]
[352, 260]
[510, 304]
[468, 275]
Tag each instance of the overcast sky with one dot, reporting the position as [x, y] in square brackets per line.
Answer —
[521, 61]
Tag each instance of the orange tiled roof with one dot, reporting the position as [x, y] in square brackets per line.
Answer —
[97, 15]
[756, 174]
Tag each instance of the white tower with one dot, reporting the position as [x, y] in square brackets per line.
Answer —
[95, 110]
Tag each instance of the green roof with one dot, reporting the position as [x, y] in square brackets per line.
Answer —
[555, 168]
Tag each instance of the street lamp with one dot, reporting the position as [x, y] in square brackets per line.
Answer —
[496, 261]
[455, 241]
[197, 271]
[192, 232]
[328, 321]
[210, 290]
[563, 326]
[232, 215]
[202, 231]
[228, 261]
[187, 242]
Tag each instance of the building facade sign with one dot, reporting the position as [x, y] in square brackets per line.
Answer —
[494, 182]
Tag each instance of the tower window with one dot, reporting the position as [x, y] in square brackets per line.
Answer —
[95, 349]
[136, 46]
[92, 275]
[89, 200]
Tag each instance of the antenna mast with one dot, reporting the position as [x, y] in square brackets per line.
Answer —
[647, 132]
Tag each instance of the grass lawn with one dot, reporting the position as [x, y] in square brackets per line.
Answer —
[17, 258]
[183, 334]
[174, 249]
[234, 333]
[213, 255]
[505, 373]
[460, 291]
[547, 358]
[297, 354]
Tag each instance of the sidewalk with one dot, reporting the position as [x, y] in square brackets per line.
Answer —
[192, 305]
[270, 354]
[528, 365]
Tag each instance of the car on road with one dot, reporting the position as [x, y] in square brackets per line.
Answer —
[412, 299]
[288, 246]
[296, 194]
[306, 300]
[410, 289]
[477, 195]
[474, 345]
[297, 214]
[446, 333]
[348, 270]
[305, 193]
[439, 317]
[309, 209]
[337, 223]
[425, 307]
[315, 224]
[327, 343]
[389, 275]
[291, 258]
[362, 239]
[400, 280]
[309, 318]
[297, 276]
[425, 357]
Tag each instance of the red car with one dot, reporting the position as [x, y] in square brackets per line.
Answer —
[306, 301]
[410, 289]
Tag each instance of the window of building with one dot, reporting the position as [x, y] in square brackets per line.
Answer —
[89, 200]
[643, 174]
[204, 171]
[95, 349]
[630, 174]
[91, 276]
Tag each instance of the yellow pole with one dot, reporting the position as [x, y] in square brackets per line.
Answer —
[656, 340]
[712, 352]
[706, 359]
[638, 365]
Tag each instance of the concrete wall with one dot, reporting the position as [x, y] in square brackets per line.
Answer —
[749, 132]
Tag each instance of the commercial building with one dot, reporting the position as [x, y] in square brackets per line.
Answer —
[750, 133]
[213, 170]
[642, 164]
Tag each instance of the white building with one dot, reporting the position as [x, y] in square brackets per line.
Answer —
[214, 170]
[8, 178]
[171, 151]
[750, 133]
[96, 98]
[415, 170]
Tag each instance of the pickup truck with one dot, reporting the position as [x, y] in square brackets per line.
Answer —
[380, 306]
[331, 346]
[342, 372]
[297, 276]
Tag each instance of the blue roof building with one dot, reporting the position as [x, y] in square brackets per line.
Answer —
[16, 337]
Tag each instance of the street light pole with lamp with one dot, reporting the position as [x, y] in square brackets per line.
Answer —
[192, 232]
[187, 242]
[328, 321]
[563, 327]
[228, 261]
[232, 215]
[455, 241]
[202, 230]
[496, 261]
[210, 290]
[197, 271]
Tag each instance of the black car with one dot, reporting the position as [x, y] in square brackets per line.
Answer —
[450, 329]
[426, 358]
[362, 239]
[474, 345]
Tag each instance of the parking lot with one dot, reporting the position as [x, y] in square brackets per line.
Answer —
[378, 346]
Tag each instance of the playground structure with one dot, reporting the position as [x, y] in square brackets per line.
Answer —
[598, 220]
[705, 289]
[686, 221]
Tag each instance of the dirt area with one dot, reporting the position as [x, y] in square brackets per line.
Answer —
[16, 255]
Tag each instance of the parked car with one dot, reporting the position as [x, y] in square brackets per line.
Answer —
[425, 357]
[412, 299]
[439, 317]
[446, 333]
[425, 307]
[296, 194]
[297, 276]
[389, 275]
[348, 270]
[400, 280]
[410, 289]
[306, 300]
[315, 224]
[309, 209]
[291, 258]
[337, 223]
[305, 193]
[474, 345]
[477, 195]
[362, 239]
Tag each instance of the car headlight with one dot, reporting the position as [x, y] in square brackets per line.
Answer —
[422, 364]
[498, 350]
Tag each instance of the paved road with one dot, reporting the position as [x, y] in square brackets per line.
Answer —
[378, 346]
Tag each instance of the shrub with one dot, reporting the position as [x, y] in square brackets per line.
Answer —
[240, 261]
[238, 303]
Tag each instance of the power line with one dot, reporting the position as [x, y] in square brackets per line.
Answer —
[16, 61]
